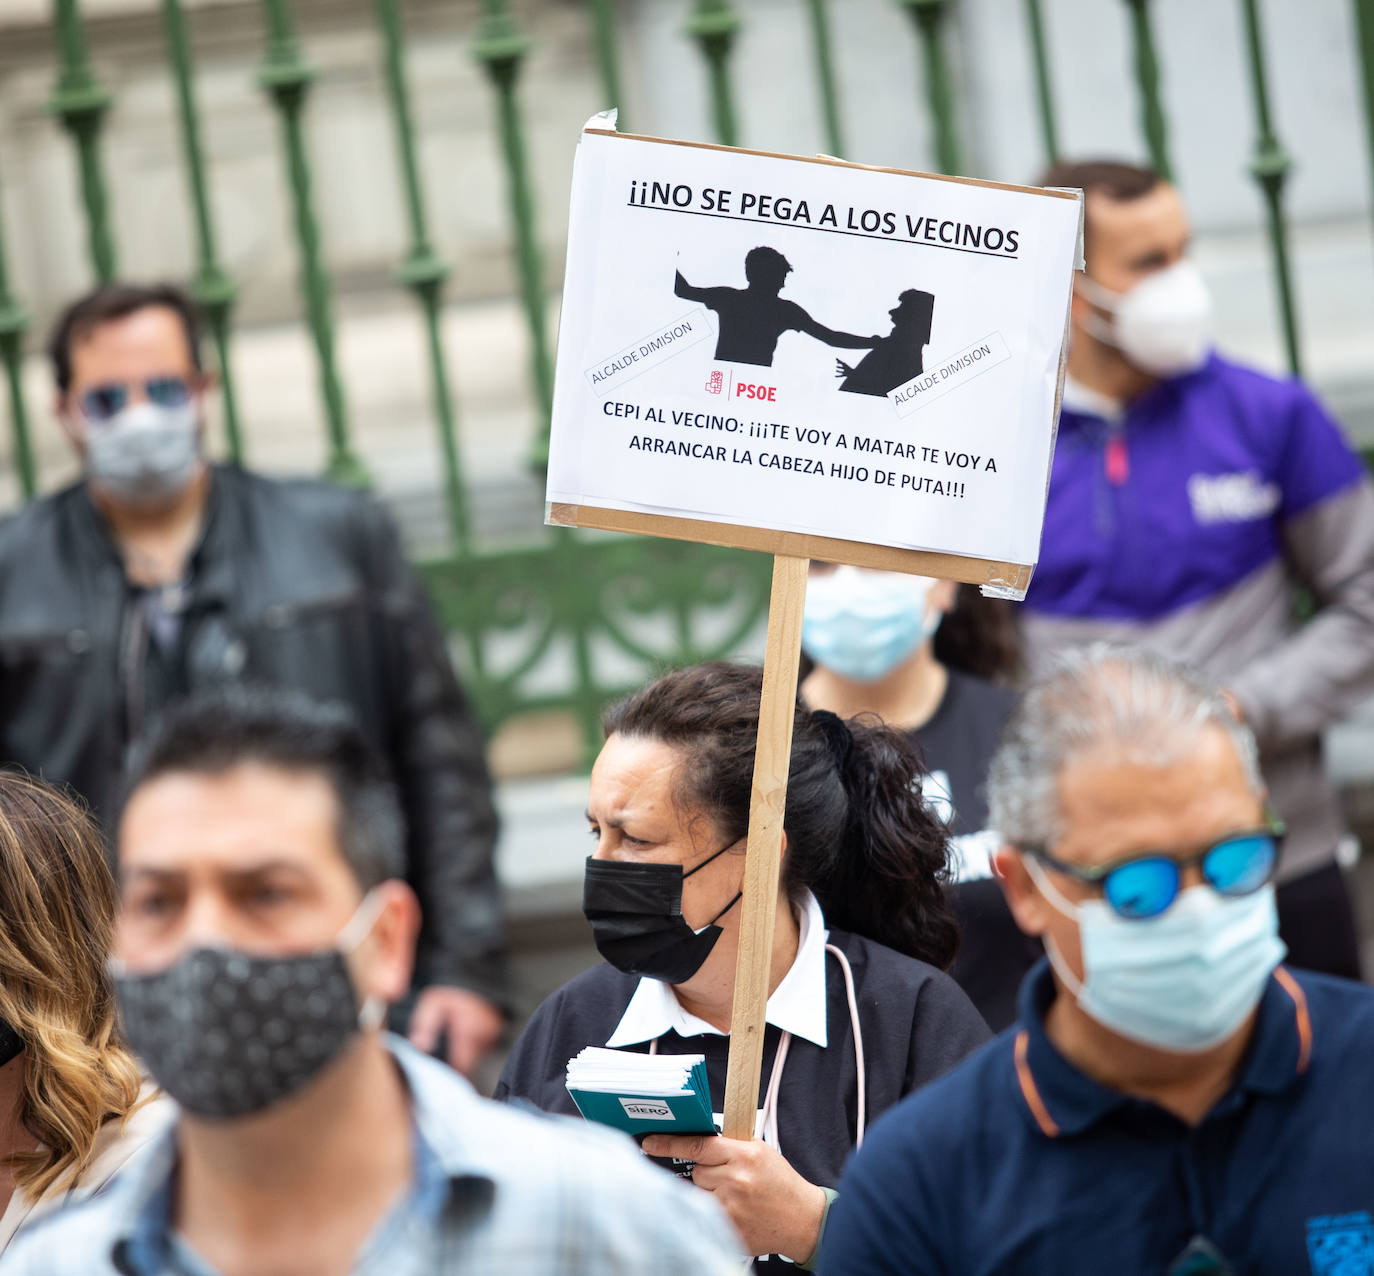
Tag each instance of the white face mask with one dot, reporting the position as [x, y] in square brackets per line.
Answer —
[1183, 981]
[1163, 325]
[862, 624]
[146, 453]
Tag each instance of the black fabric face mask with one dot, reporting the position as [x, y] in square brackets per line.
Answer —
[11, 1043]
[227, 1034]
[635, 911]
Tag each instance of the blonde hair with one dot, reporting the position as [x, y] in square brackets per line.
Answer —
[55, 990]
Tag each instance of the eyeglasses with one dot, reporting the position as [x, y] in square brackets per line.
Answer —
[102, 402]
[1145, 885]
[1199, 1258]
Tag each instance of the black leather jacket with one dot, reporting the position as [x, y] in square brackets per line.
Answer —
[298, 583]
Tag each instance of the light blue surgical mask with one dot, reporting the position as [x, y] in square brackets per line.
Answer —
[862, 624]
[1183, 981]
[147, 453]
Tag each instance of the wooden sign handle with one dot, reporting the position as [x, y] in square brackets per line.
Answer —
[767, 805]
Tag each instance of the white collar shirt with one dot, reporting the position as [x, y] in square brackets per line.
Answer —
[797, 1004]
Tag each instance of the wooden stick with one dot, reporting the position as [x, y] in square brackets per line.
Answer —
[772, 760]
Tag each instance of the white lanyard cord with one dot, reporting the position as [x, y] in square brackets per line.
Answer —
[769, 1131]
[862, 1087]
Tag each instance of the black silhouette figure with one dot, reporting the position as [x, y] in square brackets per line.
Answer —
[753, 318]
[897, 357]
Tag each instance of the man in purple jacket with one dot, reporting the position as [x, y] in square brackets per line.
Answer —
[1190, 497]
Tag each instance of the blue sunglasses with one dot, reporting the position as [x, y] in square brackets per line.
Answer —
[1146, 885]
[102, 402]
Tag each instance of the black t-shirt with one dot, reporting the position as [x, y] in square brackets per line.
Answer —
[959, 740]
[915, 1025]
[958, 743]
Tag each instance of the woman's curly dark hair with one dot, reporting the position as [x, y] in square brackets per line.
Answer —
[859, 833]
[981, 636]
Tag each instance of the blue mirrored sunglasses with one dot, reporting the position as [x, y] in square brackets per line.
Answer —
[1145, 885]
[102, 402]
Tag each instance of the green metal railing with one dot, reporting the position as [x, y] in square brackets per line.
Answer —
[714, 25]
[609, 610]
[501, 47]
[211, 287]
[286, 77]
[80, 102]
[13, 324]
[1049, 128]
[1270, 167]
[1152, 122]
[423, 271]
[931, 17]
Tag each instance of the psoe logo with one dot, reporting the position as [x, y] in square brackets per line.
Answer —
[1341, 1244]
[1232, 498]
[647, 1109]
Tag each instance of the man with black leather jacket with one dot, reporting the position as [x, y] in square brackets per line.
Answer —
[159, 574]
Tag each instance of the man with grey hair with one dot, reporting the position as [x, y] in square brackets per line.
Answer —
[1172, 1099]
[1190, 499]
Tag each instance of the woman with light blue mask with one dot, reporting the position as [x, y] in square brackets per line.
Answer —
[931, 658]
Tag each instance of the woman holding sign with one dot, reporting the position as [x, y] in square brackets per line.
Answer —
[859, 1011]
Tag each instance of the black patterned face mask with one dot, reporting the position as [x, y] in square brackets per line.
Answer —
[228, 1034]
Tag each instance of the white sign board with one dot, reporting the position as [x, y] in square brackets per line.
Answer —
[811, 347]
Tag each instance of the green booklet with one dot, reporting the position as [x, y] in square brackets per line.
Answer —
[642, 1093]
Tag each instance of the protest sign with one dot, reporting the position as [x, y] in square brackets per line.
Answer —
[813, 359]
[809, 347]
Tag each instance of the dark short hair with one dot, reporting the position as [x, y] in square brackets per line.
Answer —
[217, 730]
[114, 301]
[764, 258]
[1115, 179]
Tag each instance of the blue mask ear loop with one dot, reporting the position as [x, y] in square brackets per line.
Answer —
[1056, 899]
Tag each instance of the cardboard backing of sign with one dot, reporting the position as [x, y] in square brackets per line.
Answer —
[811, 358]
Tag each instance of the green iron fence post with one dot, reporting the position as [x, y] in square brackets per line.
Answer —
[285, 76]
[423, 271]
[713, 25]
[603, 15]
[929, 17]
[1270, 166]
[825, 71]
[80, 102]
[1044, 90]
[1147, 78]
[500, 47]
[212, 288]
[1364, 22]
[13, 324]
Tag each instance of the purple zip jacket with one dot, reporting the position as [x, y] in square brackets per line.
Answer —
[1183, 522]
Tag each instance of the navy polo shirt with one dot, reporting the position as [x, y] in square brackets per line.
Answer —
[1016, 1162]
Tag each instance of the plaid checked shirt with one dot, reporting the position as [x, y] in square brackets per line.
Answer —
[497, 1191]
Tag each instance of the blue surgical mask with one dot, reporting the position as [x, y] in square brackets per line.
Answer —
[1183, 981]
[862, 624]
